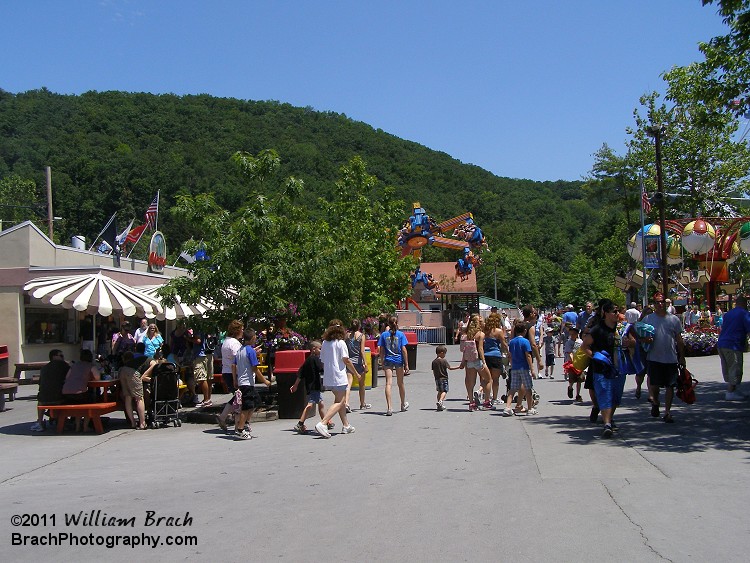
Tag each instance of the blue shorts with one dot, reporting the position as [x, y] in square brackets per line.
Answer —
[314, 397]
[475, 364]
[338, 388]
[608, 390]
[441, 385]
[392, 365]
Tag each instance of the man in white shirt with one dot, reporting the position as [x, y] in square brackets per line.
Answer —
[140, 331]
[633, 314]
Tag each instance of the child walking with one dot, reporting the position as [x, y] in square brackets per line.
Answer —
[440, 367]
[520, 373]
[572, 344]
[311, 373]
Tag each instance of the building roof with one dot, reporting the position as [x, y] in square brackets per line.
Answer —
[496, 303]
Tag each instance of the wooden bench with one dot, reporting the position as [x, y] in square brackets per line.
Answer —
[7, 389]
[92, 410]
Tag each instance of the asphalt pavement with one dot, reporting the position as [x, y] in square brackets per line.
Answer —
[420, 485]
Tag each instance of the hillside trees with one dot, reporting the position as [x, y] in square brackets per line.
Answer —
[272, 253]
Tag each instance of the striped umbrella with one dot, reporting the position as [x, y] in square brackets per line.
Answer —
[94, 293]
[180, 310]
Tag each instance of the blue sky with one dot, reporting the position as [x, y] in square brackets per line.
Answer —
[523, 89]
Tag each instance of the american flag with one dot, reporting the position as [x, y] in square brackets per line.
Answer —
[645, 202]
[152, 212]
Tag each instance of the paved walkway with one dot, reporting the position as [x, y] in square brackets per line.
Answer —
[421, 485]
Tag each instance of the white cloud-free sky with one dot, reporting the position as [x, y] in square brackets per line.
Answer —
[523, 89]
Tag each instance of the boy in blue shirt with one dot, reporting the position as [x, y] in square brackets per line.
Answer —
[520, 372]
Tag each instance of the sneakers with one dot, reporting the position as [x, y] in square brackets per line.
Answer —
[579, 399]
[734, 396]
[208, 403]
[440, 406]
[607, 433]
[195, 400]
[473, 406]
[487, 405]
[389, 412]
[331, 425]
[348, 409]
[507, 412]
[244, 435]
[348, 429]
[321, 429]
[532, 410]
[614, 426]
[570, 392]
[36, 427]
[405, 406]
[365, 406]
[300, 428]
[654, 410]
[221, 422]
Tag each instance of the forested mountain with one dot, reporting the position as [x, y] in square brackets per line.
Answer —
[112, 151]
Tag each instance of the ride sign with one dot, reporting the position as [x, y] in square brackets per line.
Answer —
[157, 253]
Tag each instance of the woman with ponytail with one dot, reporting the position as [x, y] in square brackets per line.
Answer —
[392, 349]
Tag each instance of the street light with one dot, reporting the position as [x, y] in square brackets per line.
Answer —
[656, 132]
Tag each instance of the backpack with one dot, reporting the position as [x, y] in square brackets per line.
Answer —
[686, 384]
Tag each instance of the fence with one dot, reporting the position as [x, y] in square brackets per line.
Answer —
[427, 334]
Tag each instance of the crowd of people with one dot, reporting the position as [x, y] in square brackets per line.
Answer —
[598, 347]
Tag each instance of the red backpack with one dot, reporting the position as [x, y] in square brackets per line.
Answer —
[686, 386]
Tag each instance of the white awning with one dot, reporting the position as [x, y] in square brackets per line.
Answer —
[94, 293]
[180, 310]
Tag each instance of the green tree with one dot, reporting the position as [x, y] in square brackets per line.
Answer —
[701, 162]
[272, 253]
[19, 201]
[583, 282]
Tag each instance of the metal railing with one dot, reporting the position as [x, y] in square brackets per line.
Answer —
[427, 334]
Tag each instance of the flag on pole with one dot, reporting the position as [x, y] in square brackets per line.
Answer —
[645, 203]
[152, 212]
[135, 234]
[109, 233]
[123, 235]
[187, 257]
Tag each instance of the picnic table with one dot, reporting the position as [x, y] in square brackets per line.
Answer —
[28, 366]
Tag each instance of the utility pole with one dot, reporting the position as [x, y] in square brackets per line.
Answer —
[495, 273]
[50, 216]
[656, 131]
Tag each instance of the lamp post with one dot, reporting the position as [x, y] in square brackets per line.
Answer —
[656, 131]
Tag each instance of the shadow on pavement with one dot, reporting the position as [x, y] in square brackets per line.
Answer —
[711, 423]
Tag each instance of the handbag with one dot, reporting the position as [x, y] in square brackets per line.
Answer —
[581, 359]
[686, 384]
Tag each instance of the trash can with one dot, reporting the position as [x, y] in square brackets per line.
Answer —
[374, 352]
[411, 349]
[368, 373]
[288, 363]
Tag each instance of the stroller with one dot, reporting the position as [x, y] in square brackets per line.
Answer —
[165, 403]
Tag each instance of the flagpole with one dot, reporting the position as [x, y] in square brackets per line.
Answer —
[102, 231]
[156, 219]
[644, 292]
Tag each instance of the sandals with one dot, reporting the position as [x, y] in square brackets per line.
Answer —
[667, 418]
[522, 410]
